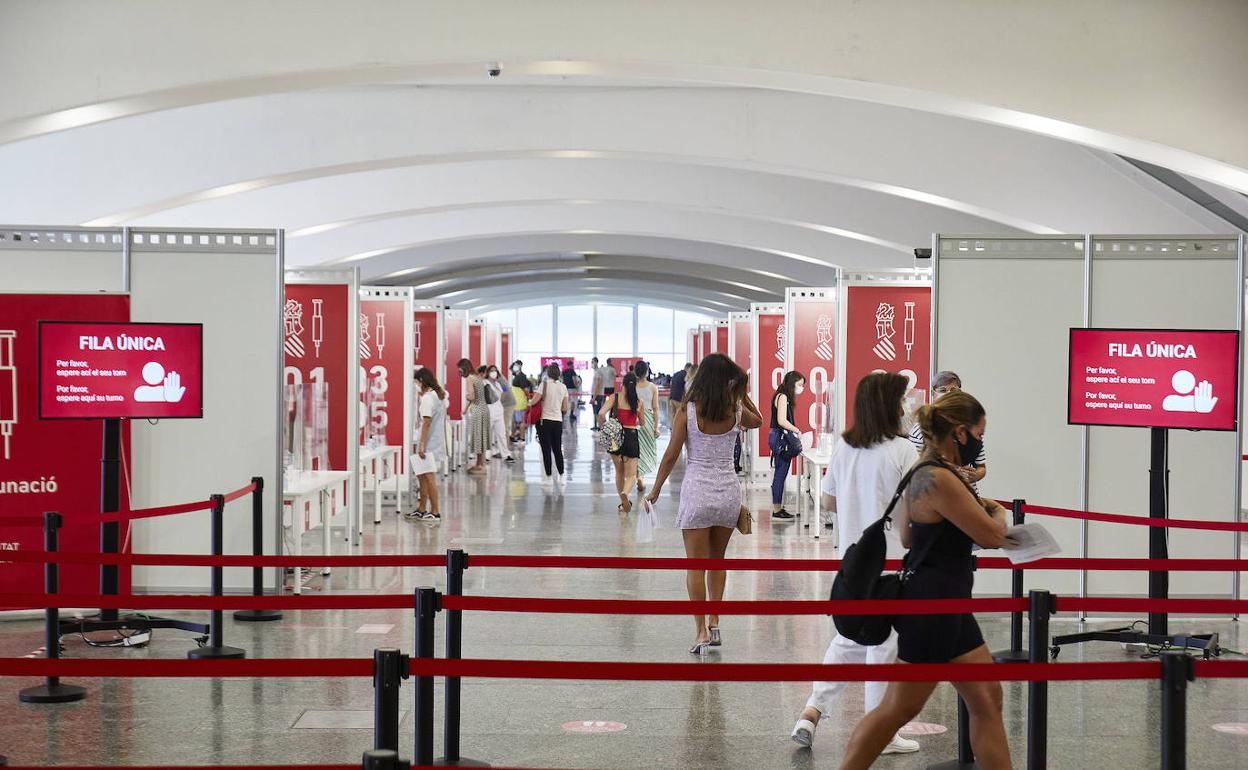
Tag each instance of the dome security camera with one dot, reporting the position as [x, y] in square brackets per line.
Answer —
[495, 69]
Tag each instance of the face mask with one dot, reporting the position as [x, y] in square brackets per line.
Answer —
[493, 375]
[970, 450]
[800, 389]
[515, 370]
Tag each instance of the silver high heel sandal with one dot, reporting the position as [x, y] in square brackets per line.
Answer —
[700, 649]
[716, 639]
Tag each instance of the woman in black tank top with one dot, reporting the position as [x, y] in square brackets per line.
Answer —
[782, 424]
[943, 517]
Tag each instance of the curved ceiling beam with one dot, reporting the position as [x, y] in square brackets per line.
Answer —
[387, 264]
[435, 289]
[628, 289]
[687, 306]
[588, 72]
[593, 292]
[591, 263]
[429, 257]
[407, 161]
[387, 216]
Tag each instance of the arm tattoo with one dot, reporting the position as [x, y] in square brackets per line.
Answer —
[923, 481]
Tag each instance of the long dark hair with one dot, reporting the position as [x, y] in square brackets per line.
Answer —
[642, 370]
[630, 391]
[788, 386]
[428, 381]
[465, 367]
[877, 409]
[718, 387]
[552, 371]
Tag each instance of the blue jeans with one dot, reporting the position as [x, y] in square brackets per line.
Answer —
[779, 476]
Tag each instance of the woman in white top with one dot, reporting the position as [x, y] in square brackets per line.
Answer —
[430, 445]
[498, 427]
[866, 466]
[553, 395]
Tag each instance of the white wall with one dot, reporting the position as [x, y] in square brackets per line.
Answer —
[238, 298]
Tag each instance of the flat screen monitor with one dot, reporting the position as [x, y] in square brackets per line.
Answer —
[1154, 378]
[120, 370]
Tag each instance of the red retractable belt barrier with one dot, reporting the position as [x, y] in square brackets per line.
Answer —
[1134, 605]
[1143, 521]
[796, 607]
[21, 521]
[356, 766]
[201, 667]
[182, 602]
[206, 560]
[147, 513]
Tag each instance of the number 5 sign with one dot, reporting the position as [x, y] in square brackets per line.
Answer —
[384, 315]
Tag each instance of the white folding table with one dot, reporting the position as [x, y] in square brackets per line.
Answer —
[378, 464]
[300, 492]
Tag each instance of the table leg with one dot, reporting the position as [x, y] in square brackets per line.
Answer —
[325, 514]
[296, 523]
[398, 485]
[817, 493]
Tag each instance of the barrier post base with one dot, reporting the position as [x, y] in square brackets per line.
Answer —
[257, 616]
[224, 651]
[461, 762]
[53, 693]
[1205, 644]
[1011, 656]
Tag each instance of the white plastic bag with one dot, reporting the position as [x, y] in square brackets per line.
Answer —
[646, 524]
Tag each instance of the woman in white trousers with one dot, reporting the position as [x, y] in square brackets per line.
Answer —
[867, 464]
[498, 427]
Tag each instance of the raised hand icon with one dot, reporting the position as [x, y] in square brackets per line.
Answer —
[173, 388]
[1203, 397]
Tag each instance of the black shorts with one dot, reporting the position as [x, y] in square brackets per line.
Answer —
[630, 446]
[936, 638]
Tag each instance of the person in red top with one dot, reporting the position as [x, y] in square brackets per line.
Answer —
[628, 410]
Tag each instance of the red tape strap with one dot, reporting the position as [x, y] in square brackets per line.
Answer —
[1145, 521]
[651, 563]
[20, 521]
[207, 560]
[800, 607]
[138, 513]
[1124, 564]
[177, 667]
[240, 492]
[1124, 604]
[356, 766]
[785, 672]
[182, 602]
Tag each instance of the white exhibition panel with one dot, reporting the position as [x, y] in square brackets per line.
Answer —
[235, 290]
[63, 260]
[1003, 314]
[1001, 321]
[1195, 289]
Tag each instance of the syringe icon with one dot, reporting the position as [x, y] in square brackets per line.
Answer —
[8, 388]
[318, 325]
[379, 334]
[908, 333]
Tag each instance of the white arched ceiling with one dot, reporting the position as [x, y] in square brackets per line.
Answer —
[655, 180]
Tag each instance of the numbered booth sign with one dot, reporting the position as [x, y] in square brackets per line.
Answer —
[381, 369]
[317, 350]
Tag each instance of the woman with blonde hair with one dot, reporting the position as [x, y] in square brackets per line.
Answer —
[941, 518]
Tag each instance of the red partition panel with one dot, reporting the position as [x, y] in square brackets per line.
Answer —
[456, 348]
[425, 340]
[741, 329]
[505, 364]
[383, 367]
[476, 344]
[770, 369]
[48, 465]
[887, 328]
[721, 339]
[704, 343]
[317, 343]
[812, 345]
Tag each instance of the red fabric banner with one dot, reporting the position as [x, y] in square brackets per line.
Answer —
[888, 328]
[476, 343]
[425, 340]
[318, 349]
[48, 465]
[721, 339]
[741, 343]
[812, 342]
[382, 320]
[456, 348]
[770, 330]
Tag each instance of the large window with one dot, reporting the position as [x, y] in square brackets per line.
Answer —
[576, 329]
[654, 329]
[615, 331]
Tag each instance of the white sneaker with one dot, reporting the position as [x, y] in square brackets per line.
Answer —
[899, 745]
[804, 732]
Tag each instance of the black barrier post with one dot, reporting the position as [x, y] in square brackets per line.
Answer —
[456, 565]
[52, 691]
[427, 606]
[383, 759]
[389, 671]
[257, 549]
[966, 755]
[1040, 608]
[1016, 653]
[216, 645]
[1177, 669]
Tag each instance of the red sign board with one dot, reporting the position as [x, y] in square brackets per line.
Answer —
[476, 344]
[98, 370]
[318, 348]
[507, 356]
[704, 335]
[48, 465]
[769, 370]
[1154, 378]
[382, 338]
[889, 329]
[721, 339]
[425, 340]
[812, 340]
[454, 323]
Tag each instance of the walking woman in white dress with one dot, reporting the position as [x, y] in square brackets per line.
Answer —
[716, 406]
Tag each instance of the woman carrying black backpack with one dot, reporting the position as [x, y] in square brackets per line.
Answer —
[785, 441]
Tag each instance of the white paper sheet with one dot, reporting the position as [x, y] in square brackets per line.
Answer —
[1029, 542]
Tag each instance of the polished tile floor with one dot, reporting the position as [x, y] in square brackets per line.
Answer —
[522, 723]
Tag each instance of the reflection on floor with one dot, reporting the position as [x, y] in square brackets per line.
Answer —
[541, 723]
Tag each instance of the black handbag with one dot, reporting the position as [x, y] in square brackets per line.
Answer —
[783, 443]
[860, 575]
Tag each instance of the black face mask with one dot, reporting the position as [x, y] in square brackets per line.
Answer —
[969, 451]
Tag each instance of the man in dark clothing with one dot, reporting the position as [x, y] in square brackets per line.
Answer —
[678, 388]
